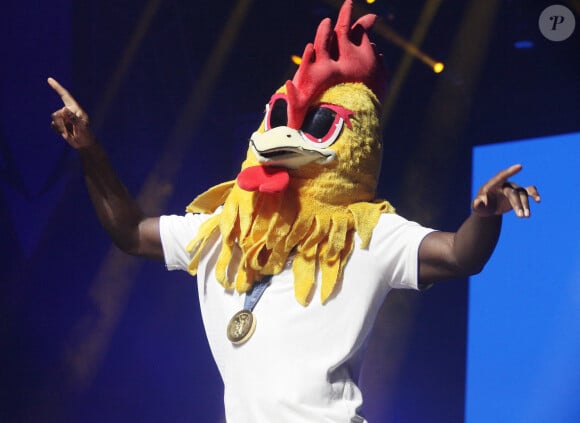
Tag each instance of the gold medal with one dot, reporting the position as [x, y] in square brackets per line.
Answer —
[241, 327]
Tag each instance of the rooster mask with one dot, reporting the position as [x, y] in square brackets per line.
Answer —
[309, 178]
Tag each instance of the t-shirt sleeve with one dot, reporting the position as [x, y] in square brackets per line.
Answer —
[176, 232]
[395, 245]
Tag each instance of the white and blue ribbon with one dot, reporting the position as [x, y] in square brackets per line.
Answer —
[253, 296]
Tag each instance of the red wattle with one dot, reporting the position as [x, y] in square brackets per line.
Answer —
[264, 179]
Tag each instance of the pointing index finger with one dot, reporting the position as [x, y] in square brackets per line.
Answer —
[504, 175]
[67, 99]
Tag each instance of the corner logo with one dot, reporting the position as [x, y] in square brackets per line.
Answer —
[557, 23]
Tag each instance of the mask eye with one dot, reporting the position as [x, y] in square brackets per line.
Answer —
[276, 113]
[322, 125]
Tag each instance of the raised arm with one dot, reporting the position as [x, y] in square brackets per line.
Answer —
[116, 209]
[447, 255]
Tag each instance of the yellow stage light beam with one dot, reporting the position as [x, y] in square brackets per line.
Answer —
[411, 51]
[409, 47]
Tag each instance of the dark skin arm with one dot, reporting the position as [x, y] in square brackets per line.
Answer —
[116, 209]
[447, 255]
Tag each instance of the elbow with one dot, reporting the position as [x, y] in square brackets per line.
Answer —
[129, 248]
[126, 237]
[475, 270]
[127, 242]
[465, 270]
[464, 266]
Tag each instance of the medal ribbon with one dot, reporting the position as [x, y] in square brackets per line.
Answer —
[254, 295]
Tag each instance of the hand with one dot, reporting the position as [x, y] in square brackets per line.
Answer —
[498, 195]
[71, 121]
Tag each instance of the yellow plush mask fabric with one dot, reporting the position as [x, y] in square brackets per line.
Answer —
[314, 219]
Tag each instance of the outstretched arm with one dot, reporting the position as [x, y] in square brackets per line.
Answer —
[117, 211]
[446, 255]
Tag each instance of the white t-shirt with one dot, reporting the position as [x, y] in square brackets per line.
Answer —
[302, 363]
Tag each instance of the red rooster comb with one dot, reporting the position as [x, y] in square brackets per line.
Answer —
[344, 54]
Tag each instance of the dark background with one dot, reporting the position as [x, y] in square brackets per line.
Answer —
[89, 335]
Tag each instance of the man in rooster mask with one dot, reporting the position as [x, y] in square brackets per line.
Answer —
[286, 242]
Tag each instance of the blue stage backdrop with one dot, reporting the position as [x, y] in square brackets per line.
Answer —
[524, 310]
